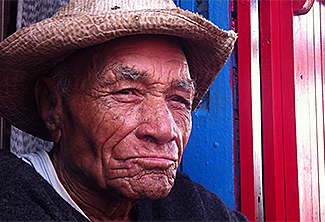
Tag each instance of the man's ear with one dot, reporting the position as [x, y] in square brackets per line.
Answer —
[48, 102]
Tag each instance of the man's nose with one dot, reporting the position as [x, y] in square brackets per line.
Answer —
[158, 124]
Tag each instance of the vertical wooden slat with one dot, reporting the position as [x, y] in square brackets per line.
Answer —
[305, 117]
[2, 35]
[278, 100]
[319, 152]
[318, 104]
[2, 19]
[7, 27]
[272, 110]
[288, 111]
[302, 104]
[278, 108]
[321, 157]
[309, 108]
[312, 74]
[256, 111]
[245, 110]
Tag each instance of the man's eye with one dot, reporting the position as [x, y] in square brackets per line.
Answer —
[127, 95]
[125, 91]
[180, 100]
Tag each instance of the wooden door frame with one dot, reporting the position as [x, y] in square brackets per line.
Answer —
[278, 198]
[8, 12]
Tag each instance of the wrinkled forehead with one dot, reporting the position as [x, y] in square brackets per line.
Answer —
[127, 53]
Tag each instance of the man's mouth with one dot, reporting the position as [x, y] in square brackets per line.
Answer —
[154, 162]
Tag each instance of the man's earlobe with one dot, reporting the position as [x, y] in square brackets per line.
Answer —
[48, 103]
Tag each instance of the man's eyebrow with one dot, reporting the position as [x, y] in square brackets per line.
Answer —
[121, 72]
[185, 84]
[130, 73]
[133, 74]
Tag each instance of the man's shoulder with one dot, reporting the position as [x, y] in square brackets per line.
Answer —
[16, 174]
[189, 200]
[9, 165]
[25, 195]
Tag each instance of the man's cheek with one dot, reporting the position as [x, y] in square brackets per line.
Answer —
[111, 126]
[183, 121]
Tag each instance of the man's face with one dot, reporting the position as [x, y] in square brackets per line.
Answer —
[128, 118]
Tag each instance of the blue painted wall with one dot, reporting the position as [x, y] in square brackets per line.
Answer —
[209, 156]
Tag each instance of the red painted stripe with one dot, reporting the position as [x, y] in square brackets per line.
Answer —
[289, 118]
[271, 111]
[245, 110]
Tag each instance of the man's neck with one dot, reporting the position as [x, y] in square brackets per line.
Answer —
[98, 206]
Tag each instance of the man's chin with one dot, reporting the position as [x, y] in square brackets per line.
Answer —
[149, 184]
[152, 186]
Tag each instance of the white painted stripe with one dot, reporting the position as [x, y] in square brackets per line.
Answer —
[256, 111]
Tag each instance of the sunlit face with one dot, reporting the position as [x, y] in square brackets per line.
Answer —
[128, 118]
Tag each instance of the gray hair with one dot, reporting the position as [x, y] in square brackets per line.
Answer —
[60, 75]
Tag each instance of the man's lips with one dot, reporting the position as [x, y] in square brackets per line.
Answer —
[153, 158]
[153, 162]
[143, 165]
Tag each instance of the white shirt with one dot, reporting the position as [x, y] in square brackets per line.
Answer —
[41, 162]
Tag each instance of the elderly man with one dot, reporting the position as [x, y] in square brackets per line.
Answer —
[113, 85]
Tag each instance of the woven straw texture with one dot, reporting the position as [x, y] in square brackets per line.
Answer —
[33, 50]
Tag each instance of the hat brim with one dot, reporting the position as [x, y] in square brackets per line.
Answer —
[34, 50]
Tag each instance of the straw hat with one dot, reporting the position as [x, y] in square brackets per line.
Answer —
[34, 50]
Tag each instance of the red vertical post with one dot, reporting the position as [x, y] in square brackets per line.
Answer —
[245, 110]
[278, 111]
[288, 112]
[271, 111]
[278, 108]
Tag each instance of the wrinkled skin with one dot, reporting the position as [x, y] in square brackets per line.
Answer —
[121, 132]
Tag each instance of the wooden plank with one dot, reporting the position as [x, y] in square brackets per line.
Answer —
[7, 27]
[2, 36]
[2, 19]
[256, 111]
[321, 156]
[245, 111]
[319, 152]
[306, 109]
[272, 115]
[288, 111]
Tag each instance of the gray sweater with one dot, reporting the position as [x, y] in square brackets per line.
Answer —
[26, 196]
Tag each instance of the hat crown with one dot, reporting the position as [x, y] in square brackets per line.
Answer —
[107, 6]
